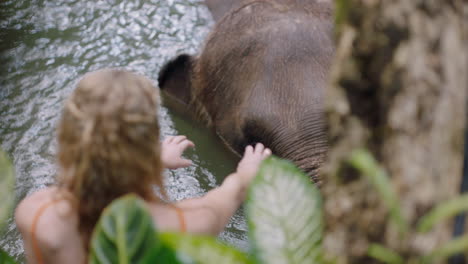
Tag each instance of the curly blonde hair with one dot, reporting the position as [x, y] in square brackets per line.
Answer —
[108, 143]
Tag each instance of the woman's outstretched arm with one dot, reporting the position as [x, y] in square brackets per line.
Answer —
[210, 213]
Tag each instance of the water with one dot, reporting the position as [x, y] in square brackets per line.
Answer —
[47, 45]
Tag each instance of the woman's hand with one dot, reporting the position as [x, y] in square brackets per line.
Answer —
[250, 163]
[210, 213]
[172, 149]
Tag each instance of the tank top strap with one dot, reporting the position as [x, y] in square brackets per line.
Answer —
[35, 244]
[180, 215]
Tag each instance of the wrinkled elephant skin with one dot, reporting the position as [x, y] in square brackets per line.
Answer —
[261, 77]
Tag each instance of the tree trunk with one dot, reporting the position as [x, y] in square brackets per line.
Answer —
[398, 89]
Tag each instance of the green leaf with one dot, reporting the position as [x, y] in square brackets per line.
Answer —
[443, 211]
[459, 245]
[5, 258]
[7, 184]
[124, 234]
[363, 161]
[284, 214]
[342, 12]
[203, 249]
[384, 255]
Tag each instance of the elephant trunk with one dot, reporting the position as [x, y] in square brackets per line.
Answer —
[307, 153]
[302, 141]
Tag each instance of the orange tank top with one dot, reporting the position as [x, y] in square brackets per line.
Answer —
[35, 244]
[180, 215]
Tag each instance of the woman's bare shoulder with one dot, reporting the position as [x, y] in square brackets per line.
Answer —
[47, 216]
[30, 204]
[47, 212]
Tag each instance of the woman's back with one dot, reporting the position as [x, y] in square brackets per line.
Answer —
[49, 226]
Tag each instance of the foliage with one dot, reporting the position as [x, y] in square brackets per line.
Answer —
[284, 213]
[364, 162]
[124, 234]
[7, 182]
[385, 255]
[443, 211]
[341, 12]
[203, 249]
[452, 248]
[5, 258]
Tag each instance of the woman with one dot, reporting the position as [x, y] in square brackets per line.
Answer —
[108, 145]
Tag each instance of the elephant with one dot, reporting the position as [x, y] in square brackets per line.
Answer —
[261, 77]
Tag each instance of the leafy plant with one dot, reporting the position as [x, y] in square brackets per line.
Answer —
[7, 182]
[364, 162]
[203, 249]
[384, 254]
[284, 212]
[342, 12]
[453, 247]
[124, 234]
[5, 258]
[443, 211]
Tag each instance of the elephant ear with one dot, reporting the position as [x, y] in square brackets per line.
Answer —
[175, 77]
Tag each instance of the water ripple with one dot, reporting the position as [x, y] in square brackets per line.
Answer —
[47, 45]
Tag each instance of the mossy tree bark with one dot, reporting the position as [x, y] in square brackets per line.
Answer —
[399, 89]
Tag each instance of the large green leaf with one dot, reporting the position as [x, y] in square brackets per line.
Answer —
[284, 213]
[203, 249]
[5, 258]
[7, 182]
[125, 234]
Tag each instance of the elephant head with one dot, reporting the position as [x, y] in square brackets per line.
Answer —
[261, 77]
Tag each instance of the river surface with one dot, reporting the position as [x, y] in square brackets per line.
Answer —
[47, 45]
